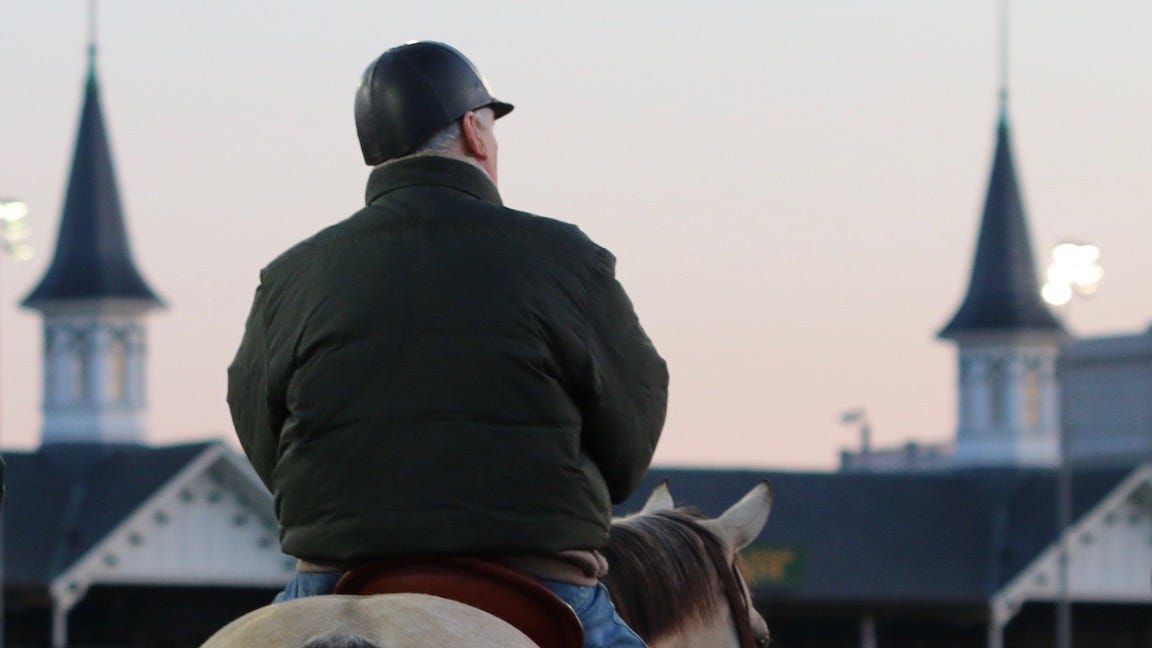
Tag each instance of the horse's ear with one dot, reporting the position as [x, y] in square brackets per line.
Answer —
[741, 523]
[659, 500]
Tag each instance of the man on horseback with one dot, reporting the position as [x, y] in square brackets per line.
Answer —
[439, 375]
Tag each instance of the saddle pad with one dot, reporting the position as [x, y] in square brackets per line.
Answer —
[501, 591]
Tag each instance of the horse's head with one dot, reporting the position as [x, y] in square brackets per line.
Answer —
[675, 575]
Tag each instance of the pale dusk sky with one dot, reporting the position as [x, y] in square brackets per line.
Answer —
[792, 188]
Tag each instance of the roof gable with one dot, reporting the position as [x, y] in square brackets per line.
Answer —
[210, 525]
[64, 498]
[1109, 552]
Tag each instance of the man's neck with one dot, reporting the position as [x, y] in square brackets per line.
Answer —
[451, 155]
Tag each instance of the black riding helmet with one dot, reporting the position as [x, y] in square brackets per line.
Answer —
[413, 91]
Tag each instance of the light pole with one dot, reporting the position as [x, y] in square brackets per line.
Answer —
[13, 232]
[1075, 270]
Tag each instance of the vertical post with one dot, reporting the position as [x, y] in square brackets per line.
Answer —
[1079, 262]
[867, 631]
[1063, 520]
[3, 249]
[59, 624]
[1001, 611]
[3, 626]
[995, 633]
[12, 234]
[1004, 54]
[92, 23]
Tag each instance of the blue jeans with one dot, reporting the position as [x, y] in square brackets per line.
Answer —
[308, 584]
[603, 627]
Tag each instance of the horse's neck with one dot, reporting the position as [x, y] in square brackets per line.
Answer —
[714, 632]
[679, 592]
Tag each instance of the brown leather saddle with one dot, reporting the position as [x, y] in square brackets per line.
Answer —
[500, 591]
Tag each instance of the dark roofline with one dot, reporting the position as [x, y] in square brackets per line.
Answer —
[949, 538]
[64, 499]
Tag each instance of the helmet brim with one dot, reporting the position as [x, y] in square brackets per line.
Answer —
[499, 108]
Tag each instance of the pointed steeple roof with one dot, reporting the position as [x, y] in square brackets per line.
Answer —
[93, 259]
[1003, 292]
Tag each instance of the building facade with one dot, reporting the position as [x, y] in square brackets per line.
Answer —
[108, 540]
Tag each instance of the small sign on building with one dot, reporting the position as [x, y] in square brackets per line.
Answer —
[775, 565]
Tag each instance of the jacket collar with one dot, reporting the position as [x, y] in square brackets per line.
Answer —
[431, 170]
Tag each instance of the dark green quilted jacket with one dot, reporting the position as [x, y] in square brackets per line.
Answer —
[441, 374]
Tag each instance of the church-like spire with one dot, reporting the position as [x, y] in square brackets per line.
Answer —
[93, 259]
[1007, 340]
[93, 301]
[1003, 292]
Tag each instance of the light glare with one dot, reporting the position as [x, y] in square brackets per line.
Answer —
[1074, 270]
[12, 211]
[14, 229]
[1056, 294]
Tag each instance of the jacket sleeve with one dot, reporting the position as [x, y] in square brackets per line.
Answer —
[258, 412]
[629, 389]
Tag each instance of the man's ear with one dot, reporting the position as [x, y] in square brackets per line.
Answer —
[470, 129]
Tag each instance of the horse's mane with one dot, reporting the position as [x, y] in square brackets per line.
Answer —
[665, 570]
[329, 640]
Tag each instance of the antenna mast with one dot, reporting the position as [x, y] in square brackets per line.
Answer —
[1003, 55]
[92, 31]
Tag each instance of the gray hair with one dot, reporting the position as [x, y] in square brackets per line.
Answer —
[442, 141]
[447, 137]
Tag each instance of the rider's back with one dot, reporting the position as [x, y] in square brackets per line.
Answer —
[435, 376]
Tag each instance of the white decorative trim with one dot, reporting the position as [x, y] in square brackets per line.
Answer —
[100, 563]
[1034, 582]
[96, 306]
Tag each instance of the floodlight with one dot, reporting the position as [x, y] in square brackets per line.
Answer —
[14, 228]
[1074, 270]
[12, 211]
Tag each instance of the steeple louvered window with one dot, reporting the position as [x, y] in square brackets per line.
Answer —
[997, 399]
[117, 369]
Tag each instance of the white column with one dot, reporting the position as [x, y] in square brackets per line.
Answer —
[995, 634]
[867, 631]
[93, 357]
[135, 362]
[59, 624]
[1013, 395]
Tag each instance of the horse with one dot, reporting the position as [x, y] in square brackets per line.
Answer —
[379, 621]
[674, 577]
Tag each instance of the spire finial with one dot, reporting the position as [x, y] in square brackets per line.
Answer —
[92, 35]
[1003, 58]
